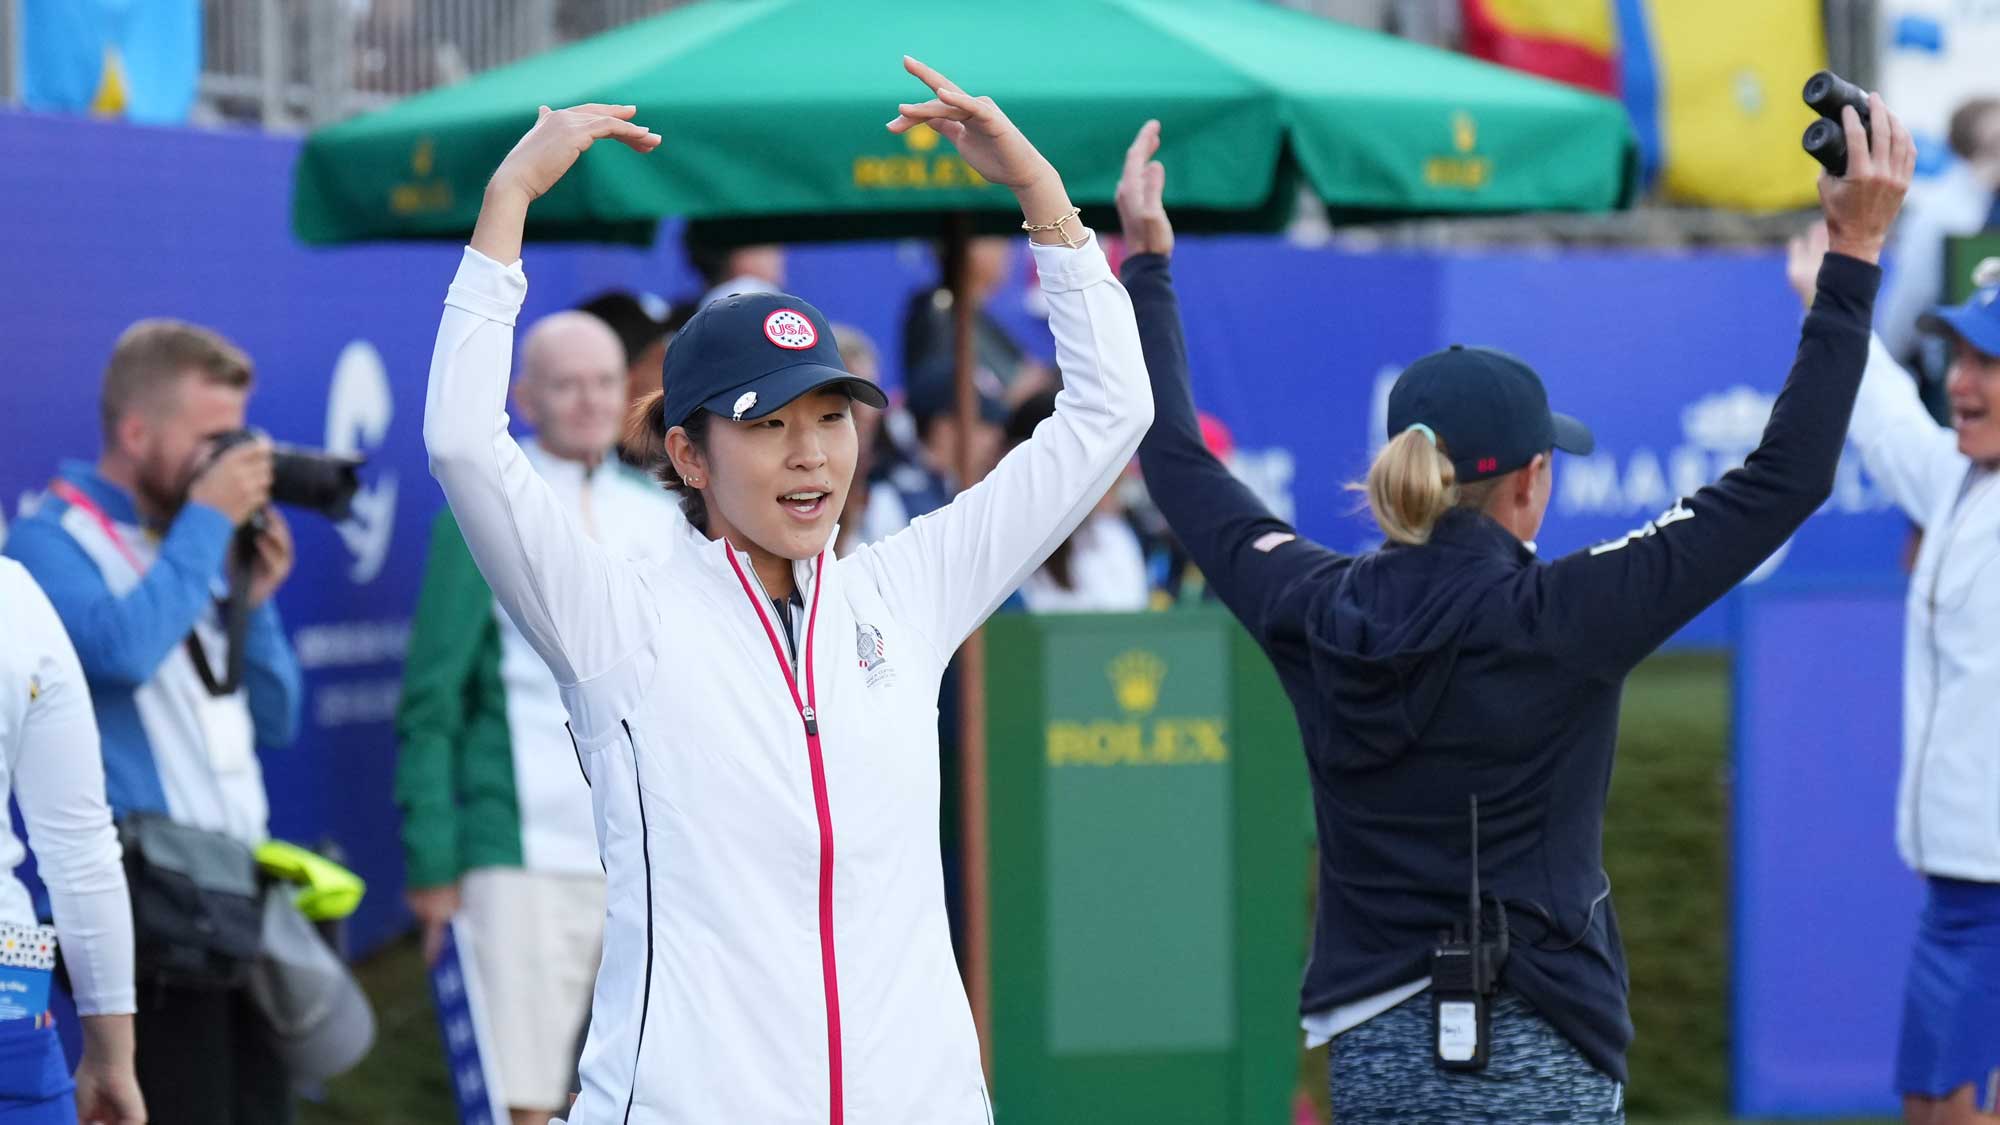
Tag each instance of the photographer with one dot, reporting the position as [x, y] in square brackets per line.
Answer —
[132, 552]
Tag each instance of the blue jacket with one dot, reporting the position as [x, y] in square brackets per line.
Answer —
[121, 641]
[1424, 675]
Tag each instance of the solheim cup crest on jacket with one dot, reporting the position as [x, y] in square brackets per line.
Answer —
[872, 653]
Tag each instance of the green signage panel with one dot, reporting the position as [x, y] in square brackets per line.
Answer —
[1148, 869]
[1136, 788]
[1962, 255]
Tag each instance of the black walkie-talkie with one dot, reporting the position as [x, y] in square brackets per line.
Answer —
[1465, 973]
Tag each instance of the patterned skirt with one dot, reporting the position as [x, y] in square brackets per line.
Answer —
[1383, 1070]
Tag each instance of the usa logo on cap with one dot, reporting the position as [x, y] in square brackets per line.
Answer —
[792, 329]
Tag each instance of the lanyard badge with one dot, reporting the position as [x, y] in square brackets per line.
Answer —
[27, 962]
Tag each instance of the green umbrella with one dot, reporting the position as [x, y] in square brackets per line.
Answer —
[773, 114]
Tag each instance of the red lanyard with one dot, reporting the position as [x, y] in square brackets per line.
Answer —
[808, 715]
[74, 497]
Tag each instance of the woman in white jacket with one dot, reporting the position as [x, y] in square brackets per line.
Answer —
[1947, 479]
[51, 764]
[758, 718]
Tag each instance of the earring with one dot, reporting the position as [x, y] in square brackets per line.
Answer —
[694, 480]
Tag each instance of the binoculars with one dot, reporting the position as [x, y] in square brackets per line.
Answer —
[1826, 139]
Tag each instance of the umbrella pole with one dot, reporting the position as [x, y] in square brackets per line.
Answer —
[972, 674]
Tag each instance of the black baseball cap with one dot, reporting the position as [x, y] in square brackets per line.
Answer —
[746, 355]
[1488, 409]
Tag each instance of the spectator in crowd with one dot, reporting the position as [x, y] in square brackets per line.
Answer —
[497, 822]
[1003, 369]
[1947, 480]
[1175, 579]
[642, 333]
[1101, 567]
[1962, 199]
[926, 478]
[130, 551]
[857, 351]
[50, 762]
[727, 268]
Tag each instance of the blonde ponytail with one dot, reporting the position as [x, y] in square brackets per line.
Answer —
[1410, 485]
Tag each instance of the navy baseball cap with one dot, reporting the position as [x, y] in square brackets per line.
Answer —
[1977, 321]
[746, 355]
[1488, 409]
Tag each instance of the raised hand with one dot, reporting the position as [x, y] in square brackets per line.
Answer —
[984, 136]
[1861, 205]
[539, 159]
[1141, 212]
[1803, 254]
[549, 149]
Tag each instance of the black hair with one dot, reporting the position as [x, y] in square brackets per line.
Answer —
[628, 318]
[709, 257]
[646, 445]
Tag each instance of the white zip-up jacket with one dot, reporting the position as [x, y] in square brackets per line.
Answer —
[776, 949]
[1948, 805]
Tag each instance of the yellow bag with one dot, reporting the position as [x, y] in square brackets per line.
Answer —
[327, 891]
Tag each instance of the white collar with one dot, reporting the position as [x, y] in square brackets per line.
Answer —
[562, 471]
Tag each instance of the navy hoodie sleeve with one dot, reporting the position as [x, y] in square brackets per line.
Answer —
[1613, 604]
[1252, 559]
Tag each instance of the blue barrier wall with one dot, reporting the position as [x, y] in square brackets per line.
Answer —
[1673, 358]
[1824, 912]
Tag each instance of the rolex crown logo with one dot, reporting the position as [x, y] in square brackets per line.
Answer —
[1135, 680]
[923, 138]
[1464, 131]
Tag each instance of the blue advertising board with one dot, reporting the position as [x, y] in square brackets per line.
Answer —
[1824, 912]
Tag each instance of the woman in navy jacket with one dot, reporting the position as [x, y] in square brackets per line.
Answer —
[1452, 663]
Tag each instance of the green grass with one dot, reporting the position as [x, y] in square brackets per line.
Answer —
[1666, 849]
[1665, 845]
[403, 1081]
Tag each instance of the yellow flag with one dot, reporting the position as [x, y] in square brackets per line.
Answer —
[112, 96]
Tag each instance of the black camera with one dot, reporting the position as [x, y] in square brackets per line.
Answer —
[312, 479]
[1826, 139]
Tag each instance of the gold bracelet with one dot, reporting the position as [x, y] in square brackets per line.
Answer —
[1057, 226]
